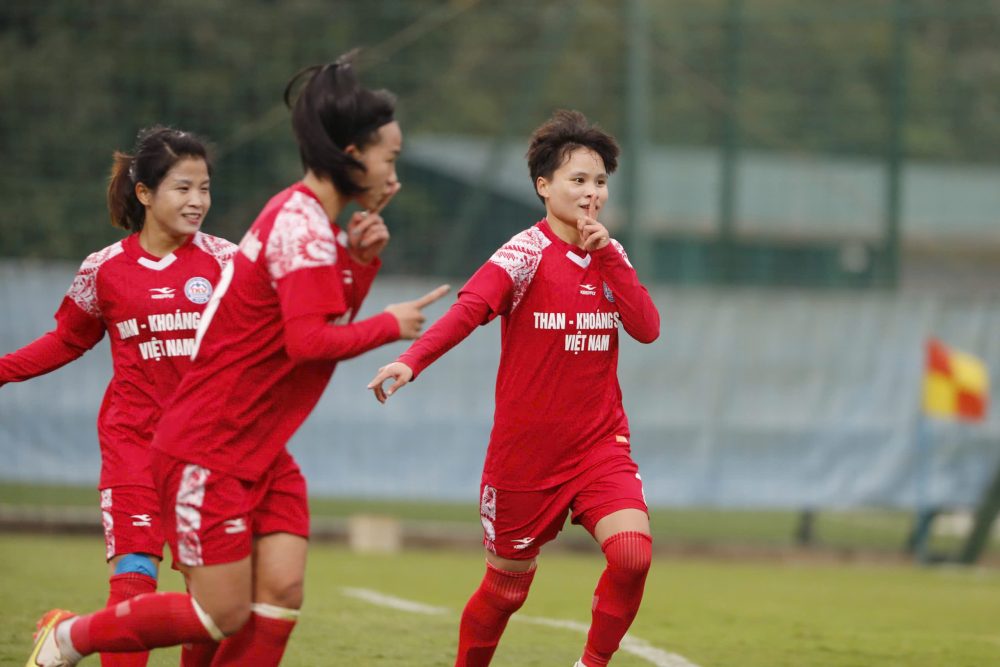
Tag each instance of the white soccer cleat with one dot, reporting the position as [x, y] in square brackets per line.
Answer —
[45, 652]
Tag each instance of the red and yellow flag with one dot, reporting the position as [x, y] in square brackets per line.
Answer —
[956, 384]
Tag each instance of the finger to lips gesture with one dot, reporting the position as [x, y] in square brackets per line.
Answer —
[410, 315]
[593, 234]
[367, 232]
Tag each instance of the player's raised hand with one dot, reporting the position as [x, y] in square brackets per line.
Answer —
[397, 371]
[367, 232]
[410, 314]
[593, 234]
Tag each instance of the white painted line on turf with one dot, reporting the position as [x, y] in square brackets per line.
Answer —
[392, 602]
[637, 647]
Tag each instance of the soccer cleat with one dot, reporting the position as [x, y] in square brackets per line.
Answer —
[46, 651]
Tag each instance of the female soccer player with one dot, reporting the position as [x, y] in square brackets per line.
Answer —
[147, 292]
[560, 439]
[279, 320]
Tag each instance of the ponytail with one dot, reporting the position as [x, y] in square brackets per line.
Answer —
[127, 212]
[332, 111]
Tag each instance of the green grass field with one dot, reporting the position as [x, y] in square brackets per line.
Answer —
[715, 613]
[867, 532]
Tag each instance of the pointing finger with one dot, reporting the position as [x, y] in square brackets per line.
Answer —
[432, 296]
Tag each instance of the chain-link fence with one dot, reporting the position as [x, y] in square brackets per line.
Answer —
[770, 142]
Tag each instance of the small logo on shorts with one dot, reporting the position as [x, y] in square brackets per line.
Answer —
[198, 290]
[142, 520]
[237, 525]
[523, 542]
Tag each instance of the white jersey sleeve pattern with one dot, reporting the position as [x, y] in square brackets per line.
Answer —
[220, 249]
[301, 238]
[83, 291]
[519, 257]
[621, 251]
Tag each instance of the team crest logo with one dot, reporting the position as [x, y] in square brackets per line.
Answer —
[607, 293]
[198, 290]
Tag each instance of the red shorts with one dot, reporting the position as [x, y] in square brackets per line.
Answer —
[517, 523]
[131, 517]
[213, 517]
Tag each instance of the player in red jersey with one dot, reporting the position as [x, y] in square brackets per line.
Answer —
[147, 292]
[280, 319]
[560, 439]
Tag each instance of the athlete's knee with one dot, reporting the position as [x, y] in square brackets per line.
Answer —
[231, 620]
[286, 592]
[629, 553]
[507, 590]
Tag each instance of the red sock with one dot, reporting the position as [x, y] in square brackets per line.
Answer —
[261, 642]
[618, 594]
[128, 585]
[124, 586]
[198, 655]
[485, 616]
[139, 624]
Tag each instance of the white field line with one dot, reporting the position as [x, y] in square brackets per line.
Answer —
[392, 602]
[637, 647]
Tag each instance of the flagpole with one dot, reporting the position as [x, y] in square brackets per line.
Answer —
[924, 514]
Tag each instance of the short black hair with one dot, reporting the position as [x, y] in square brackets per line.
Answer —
[562, 134]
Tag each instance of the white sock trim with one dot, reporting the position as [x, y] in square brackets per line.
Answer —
[206, 620]
[65, 643]
[273, 611]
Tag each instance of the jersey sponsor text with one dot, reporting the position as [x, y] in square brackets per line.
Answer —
[171, 347]
[588, 342]
[174, 321]
[550, 320]
[128, 328]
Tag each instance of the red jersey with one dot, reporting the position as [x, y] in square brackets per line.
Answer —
[278, 322]
[151, 308]
[558, 402]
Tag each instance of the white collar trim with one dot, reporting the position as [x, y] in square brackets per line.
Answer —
[164, 262]
[582, 262]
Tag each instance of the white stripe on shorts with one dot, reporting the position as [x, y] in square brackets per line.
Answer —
[190, 497]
